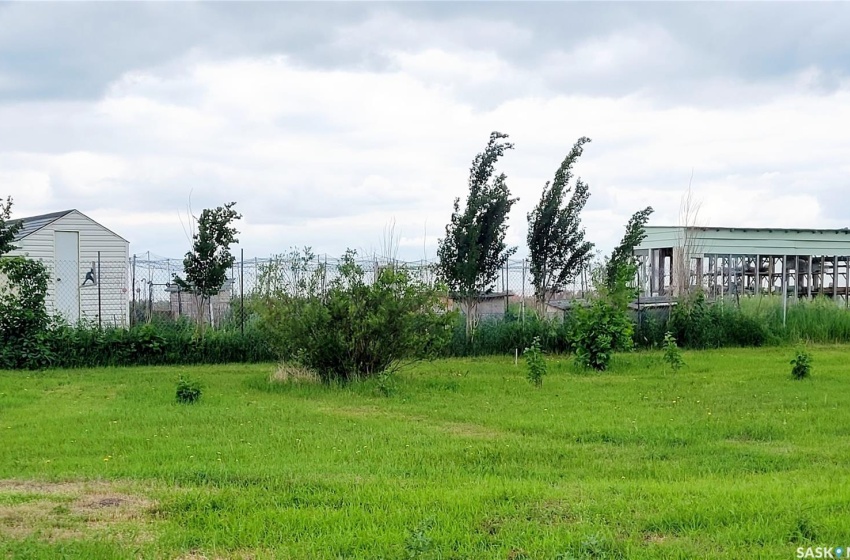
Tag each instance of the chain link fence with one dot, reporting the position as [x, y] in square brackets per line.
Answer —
[92, 292]
[154, 292]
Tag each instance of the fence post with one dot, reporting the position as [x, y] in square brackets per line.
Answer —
[242, 290]
[522, 307]
[133, 290]
[99, 305]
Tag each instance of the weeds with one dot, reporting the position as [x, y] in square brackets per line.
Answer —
[536, 363]
[672, 354]
[188, 390]
[802, 365]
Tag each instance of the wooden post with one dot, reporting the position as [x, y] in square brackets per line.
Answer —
[847, 282]
[797, 291]
[834, 277]
[758, 275]
[809, 279]
[784, 289]
[652, 269]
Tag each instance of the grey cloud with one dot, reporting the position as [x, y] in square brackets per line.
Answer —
[74, 50]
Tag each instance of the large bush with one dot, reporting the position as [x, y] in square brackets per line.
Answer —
[599, 330]
[356, 327]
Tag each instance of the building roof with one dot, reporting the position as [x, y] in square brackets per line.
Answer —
[745, 230]
[748, 241]
[32, 224]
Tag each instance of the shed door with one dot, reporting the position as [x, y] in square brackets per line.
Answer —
[67, 301]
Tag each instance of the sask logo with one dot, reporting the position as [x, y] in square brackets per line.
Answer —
[822, 552]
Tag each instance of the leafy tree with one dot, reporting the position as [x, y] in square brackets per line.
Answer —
[7, 230]
[621, 266]
[473, 250]
[604, 327]
[556, 242]
[206, 265]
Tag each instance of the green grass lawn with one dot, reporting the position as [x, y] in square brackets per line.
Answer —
[728, 458]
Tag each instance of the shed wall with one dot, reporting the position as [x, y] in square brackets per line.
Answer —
[114, 259]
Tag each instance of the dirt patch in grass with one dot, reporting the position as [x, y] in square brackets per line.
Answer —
[654, 538]
[73, 510]
[463, 429]
[293, 373]
[238, 555]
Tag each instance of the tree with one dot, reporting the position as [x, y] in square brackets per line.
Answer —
[7, 230]
[621, 266]
[207, 263]
[556, 242]
[474, 251]
[604, 327]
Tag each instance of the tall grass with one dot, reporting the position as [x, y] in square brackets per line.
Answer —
[750, 321]
[820, 320]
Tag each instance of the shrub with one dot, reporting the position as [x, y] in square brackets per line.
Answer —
[535, 362]
[356, 328]
[188, 390]
[24, 321]
[598, 331]
[672, 354]
[802, 363]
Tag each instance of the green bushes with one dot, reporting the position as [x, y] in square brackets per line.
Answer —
[505, 336]
[697, 323]
[23, 315]
[188, 390]
[600, 330]
[161, 343]
[356, 328]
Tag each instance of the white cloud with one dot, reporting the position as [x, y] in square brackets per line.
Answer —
[328, 157]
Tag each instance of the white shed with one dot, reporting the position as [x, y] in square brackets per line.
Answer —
[88, 266]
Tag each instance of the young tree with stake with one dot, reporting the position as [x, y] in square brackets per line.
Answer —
[207, 263]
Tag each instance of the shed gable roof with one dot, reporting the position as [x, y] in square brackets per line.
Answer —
[32, 224]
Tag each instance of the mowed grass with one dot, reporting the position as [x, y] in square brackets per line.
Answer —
[728, 458]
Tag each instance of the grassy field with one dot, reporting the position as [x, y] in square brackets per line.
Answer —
[728, 458]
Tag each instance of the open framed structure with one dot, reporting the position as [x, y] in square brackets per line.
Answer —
[726, 262]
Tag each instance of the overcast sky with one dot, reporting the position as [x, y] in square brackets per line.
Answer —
[325, 122]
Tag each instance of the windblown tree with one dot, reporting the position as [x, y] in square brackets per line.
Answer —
[7, 230]
[206, 265]
[621, 266]
[473, 250]
[556, 243]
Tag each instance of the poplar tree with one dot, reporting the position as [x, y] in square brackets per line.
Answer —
[474, 251]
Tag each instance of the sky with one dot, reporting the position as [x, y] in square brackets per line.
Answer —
[333, 124]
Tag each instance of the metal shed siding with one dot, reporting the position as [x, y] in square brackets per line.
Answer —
[114, 257]
[752, 241]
